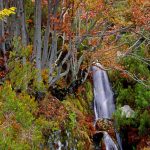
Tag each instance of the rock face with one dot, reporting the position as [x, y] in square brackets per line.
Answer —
[127, 111]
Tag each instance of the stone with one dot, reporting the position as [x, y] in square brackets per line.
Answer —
[127, 111]
[106, 125]
[97, 137]
[103, 124]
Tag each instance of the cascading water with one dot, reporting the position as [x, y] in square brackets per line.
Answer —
[103, 102]
[110, 145]
[103, 95]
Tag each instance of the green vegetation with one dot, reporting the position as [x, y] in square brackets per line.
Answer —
[17, 129]
[134, 93]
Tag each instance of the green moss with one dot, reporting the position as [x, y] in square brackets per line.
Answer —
[84, 100]
[89, 93]
[88, 97]
[79, 106]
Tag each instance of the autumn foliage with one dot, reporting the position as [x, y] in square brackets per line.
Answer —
[71, 36]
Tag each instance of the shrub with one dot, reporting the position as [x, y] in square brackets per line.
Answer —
[18, 128]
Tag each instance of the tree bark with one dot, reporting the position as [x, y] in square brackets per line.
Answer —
[14, 22]
[53, 55]
[37, 37]
[23, 27]
[2, 35]
[46, 38]
[23, 23]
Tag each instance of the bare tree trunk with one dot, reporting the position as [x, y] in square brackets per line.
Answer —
[37, 37]
[75, 62]
[14, 22]
[46, 37]
[23, 27]
[53, 55]
[2, 35]
[23, 23]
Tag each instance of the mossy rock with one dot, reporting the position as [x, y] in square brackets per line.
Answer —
[106, 125]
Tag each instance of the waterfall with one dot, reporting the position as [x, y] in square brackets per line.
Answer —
[103, 95]
[110, 145]
[103, 102]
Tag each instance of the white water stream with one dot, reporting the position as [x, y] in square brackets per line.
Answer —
[103, 102]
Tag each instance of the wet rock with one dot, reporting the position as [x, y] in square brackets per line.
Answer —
[104, 125]
[97, 138]
[127, 111]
